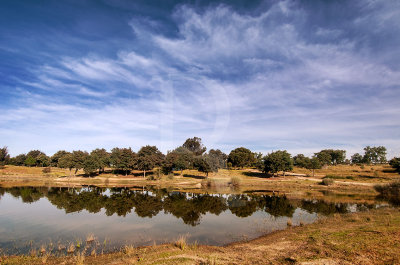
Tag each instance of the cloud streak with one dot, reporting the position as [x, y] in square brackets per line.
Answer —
[272, 79]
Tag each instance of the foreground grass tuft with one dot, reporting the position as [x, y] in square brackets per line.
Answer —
[235, 181]
[181, 242]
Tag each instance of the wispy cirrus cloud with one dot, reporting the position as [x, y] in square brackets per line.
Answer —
[277, 78]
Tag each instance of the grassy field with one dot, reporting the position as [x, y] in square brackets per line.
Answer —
[371, 237]
[351, 181]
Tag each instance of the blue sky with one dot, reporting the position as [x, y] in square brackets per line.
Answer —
[267, 75]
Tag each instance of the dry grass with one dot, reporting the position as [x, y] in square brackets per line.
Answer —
[235, 181]
[373, 173]
[129, 250]
[79, 258]
[363, 238]
[181, 242]
[71, 248]
[90, 238]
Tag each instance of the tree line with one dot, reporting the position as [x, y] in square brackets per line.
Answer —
[192, 154]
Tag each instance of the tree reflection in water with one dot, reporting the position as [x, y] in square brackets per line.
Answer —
[187, 206]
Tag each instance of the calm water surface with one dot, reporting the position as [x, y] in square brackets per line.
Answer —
[34, 216]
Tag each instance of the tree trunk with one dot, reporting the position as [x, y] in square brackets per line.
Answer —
[313, 172]
[76, 170]
[144, 173]
[284, 173]
[181, 172]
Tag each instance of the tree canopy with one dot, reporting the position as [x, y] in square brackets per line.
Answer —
[375, 155]
[195, 145]
[123, 159]
[331, 156]
[395, 163]
[4, 156]
[241, 157]
[148, 158]
[278, 161]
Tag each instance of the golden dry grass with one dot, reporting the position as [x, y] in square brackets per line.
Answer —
[362, 238]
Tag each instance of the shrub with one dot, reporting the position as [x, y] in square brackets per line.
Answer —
[153, 177]
[327, 181]
[333, 177]
[46, 170]
[235, 181]
[171, 176]
[208, 183]
[389, 192]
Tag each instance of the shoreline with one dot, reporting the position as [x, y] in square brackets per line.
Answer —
[370, 237]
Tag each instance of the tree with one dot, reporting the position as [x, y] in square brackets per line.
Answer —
[19, 160]
[56, 157]
[41, 159]
[195, 145]
[102, 158]
[4, 156]
[313, 164]
[278, 161]
[375, 155]
[324, 157]
[30, 161]
[203, 165]
[357, 158]
[241, 157]
[395, 163]
[67, 161]
[123, 159]
[178, 159]
[259, 161]
[218, 158]
[300, 160]
[148, 158]
[78, 158]
[331, 157]
[91, 164]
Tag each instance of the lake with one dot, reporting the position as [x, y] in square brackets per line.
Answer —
[58, 217]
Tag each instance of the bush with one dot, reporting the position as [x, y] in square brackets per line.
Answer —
[333, 177]
[327, 182]
[171, 176]
[46, 170]
[235, 181]
[208, 183]
[389, 192]
[153, 177]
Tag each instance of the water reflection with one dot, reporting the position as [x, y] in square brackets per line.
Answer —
[187, 206]
[141, 217]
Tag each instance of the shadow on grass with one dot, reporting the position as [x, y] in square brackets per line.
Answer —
[372, 177]
[193, 176]
[257, 174]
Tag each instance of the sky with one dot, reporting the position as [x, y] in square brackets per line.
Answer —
[267, 75]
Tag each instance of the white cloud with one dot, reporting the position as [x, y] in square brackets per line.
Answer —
[233, 79]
